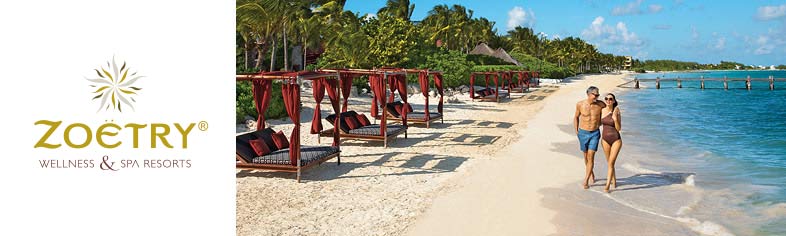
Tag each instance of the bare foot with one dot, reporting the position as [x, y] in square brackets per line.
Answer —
[606, 189]
[585, 186]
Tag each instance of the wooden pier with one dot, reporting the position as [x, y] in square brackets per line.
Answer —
[747, 81]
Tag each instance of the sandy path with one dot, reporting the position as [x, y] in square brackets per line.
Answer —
[502, 196]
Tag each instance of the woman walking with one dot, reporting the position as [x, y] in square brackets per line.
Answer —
[611, 140]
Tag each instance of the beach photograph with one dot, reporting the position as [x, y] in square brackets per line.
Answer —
[422, 117]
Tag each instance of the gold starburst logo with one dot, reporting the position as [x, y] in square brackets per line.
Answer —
[114, 86]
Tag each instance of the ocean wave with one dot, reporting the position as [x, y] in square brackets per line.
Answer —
[690, 181]
[638, 169]
[706, 227]
[777, 210]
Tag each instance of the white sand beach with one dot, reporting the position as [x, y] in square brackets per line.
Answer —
[509, 168]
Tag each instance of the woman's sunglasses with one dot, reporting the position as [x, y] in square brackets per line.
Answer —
[609, 99]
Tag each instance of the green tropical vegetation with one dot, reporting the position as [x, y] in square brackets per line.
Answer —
[672, 65]
[267, 31]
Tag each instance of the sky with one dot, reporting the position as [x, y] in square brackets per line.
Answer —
[751, 32]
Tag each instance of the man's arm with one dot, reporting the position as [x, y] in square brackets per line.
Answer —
[576, 119]
[600, 103]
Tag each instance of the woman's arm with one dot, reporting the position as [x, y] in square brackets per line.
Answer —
[617, 119]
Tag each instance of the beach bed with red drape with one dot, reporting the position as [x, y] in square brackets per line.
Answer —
[278, 154]
[522, 81]
[379, 80]
[426, 116]
[535, 76]
[486, 93]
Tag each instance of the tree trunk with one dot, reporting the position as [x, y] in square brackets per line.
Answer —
[286, 53]
[272, 55]
[246, 49]
[305, 50]
[258, 64]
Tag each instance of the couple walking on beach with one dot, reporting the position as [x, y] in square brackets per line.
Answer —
[591, 114]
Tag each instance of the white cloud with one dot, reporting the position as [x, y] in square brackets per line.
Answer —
[766, 43]
[661, 27]
[694, 34]
[655, 8]
[632, 8]
[720, 43]
[520, 17]
[771, 12]
[617, 36]
[369, 16]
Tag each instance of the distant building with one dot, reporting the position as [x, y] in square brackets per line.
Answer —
[772, 67]
[628, 63]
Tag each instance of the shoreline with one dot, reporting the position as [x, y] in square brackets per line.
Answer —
[513, 195]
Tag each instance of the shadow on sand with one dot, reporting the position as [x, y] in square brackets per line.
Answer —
[413, 164]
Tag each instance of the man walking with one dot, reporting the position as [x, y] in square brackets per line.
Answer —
[586, 121]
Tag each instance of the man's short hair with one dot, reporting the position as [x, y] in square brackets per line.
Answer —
[591, 89]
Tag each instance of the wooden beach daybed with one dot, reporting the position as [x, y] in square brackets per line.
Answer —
[265, 149]
[350, 126]
[486, 93]
[425, 116]
[522, 83]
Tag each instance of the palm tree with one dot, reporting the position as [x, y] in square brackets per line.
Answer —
[398, 8]
[255, 25]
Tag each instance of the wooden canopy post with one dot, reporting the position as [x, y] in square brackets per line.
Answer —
[298, 81]
[636, 86]
[702, 82]
[383, 123]
[725, 83]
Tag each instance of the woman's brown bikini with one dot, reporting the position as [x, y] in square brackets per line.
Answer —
[610, 133]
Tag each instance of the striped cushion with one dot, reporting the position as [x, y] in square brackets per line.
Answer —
[308, 154]
[373, 130]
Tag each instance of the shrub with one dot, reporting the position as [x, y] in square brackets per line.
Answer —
[453, 64]
[244, 102]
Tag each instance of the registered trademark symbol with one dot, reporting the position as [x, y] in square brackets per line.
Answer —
[203, 125]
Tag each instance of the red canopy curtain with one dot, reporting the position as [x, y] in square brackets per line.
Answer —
[423, 79]
[392, 79]
[346, 88]
[261, 89]
[332, 90]
[506, 80]
[440, 90]
[472, 86]
[290, 90]
[496, 85]
[318, 89]
[401, 81]
[376, 88]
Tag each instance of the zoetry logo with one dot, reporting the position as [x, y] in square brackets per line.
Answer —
[114, 86]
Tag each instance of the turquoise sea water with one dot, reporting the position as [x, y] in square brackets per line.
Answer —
[732, 141]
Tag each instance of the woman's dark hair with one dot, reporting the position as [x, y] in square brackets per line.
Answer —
[615, 100]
